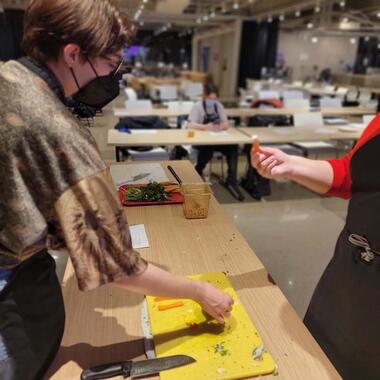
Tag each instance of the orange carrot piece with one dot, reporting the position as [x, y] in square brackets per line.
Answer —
[158, 299]
[170, 306]
[256, 148]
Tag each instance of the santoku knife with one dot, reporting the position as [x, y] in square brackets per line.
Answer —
[136, 369]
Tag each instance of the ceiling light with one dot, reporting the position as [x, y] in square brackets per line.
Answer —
[282, 17]
[353, 40]
[236, 6]
[270, 19]
[310, 25]
[298, 14]
[314, 40]
[342, 3]
[378, 14]
[317, 9]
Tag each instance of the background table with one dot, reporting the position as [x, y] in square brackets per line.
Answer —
[165, 137]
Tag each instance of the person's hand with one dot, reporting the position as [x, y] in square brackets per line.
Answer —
[214, 302]
[272, 163]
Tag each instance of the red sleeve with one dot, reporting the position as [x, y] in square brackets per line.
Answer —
[341, 186]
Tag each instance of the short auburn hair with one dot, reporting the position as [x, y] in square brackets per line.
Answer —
[96, 26]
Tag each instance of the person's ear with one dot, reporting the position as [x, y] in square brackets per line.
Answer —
[71, 55]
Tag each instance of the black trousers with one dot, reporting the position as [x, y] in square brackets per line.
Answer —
[32, 319]
[231, 152]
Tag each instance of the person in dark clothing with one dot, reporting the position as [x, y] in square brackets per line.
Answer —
[209, 115]
[344, 312]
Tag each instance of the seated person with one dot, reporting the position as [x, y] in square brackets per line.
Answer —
[209, 115]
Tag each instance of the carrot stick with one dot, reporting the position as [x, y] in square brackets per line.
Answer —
[158, 299]
[255, 145]
[170, 306]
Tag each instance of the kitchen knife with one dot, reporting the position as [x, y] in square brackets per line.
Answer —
[136, 369]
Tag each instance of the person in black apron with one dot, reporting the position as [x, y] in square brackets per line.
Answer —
[344, 311]
[56, 192]
[209, 115]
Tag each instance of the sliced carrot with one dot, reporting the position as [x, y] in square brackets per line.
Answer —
[158, 299]
[170, 306]
[169, 189]
[255, 148]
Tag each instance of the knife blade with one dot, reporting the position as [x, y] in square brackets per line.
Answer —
[136, 369]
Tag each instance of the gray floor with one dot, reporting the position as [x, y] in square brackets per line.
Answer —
[293, 232]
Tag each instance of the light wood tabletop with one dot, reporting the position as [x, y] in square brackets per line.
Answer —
[161, 137]
[243, 112]
[280, 135]
[104, 325]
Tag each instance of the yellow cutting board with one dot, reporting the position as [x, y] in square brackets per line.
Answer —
[221, 352]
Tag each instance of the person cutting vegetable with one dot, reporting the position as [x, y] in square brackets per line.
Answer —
[56, 191]
[344, 311]
[210, 115]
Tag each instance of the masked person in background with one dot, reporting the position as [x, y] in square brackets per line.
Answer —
[56, 191]
[209, 115]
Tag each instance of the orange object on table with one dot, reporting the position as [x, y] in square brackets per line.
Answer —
[170, 306]
[190, 133]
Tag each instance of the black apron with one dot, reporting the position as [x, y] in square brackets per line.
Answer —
[344, 313]
[32, 319]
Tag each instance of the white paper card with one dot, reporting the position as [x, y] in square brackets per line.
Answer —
[143, 131]
[221, 133]
[139, 237]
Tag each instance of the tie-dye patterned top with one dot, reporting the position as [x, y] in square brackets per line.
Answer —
[55, 190]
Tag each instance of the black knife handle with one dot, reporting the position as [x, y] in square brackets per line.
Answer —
[107, 371]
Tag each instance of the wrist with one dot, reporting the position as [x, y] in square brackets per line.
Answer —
[294, 167]
[197, 291]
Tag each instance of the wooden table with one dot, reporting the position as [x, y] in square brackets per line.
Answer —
[165, 137]
[281, 135]
[104, 325]
[245, 112]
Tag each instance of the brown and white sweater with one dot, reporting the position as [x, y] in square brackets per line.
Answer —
[55, 190]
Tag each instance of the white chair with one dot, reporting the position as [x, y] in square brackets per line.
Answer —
[352, 94]
[297, 103]
[141, 105]
[193, 91]
[313, 120]
[164, 92]
[329, 88]
[327, 102]
[368, 118]
[269, 94]
[130, 93]
[342, 91]
[184, 107]
[287, 95]
[298, 83]
[308, 120]
[365, 97]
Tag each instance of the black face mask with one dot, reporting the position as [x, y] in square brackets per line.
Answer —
[99, 92]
